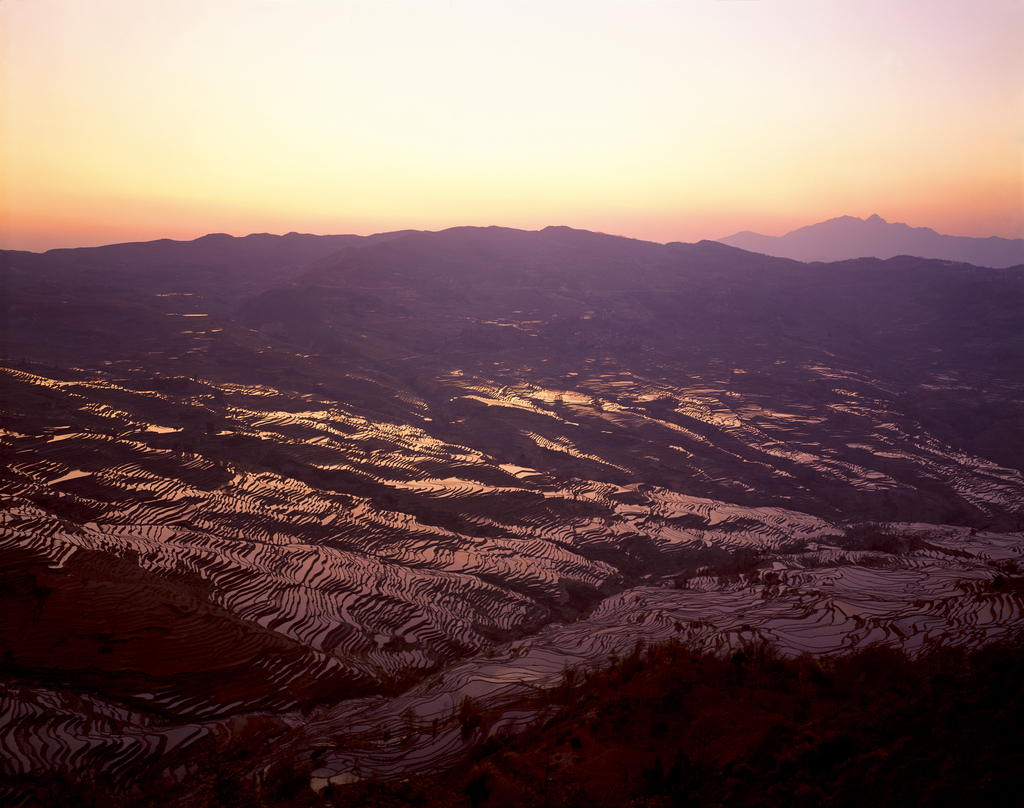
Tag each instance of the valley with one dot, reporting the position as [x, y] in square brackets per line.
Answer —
[307, 509]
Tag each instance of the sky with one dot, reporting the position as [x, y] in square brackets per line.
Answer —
[131, 120]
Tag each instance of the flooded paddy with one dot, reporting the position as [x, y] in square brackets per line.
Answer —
[319, 550]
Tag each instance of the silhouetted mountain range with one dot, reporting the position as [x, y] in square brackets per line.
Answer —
[851, 237]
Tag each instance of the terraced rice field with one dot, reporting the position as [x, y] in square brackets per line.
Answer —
[303, 569]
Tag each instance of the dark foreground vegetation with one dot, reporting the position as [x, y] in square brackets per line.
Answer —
[671, 726]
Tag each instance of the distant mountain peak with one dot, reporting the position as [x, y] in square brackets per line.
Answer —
[848, 237]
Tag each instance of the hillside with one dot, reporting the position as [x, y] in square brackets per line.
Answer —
[267, 501]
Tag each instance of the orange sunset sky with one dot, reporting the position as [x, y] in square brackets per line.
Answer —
[129, 120]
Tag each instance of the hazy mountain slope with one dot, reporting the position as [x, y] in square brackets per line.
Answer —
[450, 464]
[851, 237]
[219, 267]
[258, 250]
[460, 297]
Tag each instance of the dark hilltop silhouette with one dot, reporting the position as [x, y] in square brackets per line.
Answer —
[851, 237]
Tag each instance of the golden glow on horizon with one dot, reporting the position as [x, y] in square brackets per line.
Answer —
[137, 119]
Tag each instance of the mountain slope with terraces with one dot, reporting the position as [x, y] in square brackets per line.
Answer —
[311, 509]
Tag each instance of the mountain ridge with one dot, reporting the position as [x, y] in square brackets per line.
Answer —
[847, 237]
[837, 239]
